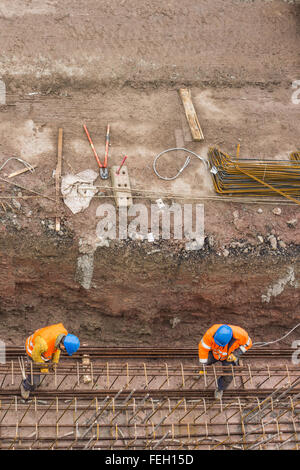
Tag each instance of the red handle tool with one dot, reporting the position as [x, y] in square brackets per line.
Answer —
[103, 169]
[123, 161]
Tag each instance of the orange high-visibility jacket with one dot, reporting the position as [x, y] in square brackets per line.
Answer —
[49, 334]
[240, 339]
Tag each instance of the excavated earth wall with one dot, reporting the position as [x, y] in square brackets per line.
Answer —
[137, 293]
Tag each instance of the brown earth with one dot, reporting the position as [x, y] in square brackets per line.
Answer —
[129, 42]
[69, 63]
[141, 295]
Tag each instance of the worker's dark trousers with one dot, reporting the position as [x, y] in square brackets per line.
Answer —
[223, 381]
[31, 383]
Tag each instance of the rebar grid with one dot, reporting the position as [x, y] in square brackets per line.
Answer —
[130, 423]
[89, 375]
[92, 405]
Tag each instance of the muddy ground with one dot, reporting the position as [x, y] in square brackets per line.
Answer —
[142, 293]
[146, 43]
[122, 62]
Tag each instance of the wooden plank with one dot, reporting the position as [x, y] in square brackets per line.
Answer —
[196, 131]
[19, 172]
[119, 182]
[58, 177]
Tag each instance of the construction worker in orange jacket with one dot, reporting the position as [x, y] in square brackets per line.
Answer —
[225, 343]
[44, 346]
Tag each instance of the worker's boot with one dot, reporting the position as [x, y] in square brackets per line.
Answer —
[24, 393]
[218, 394]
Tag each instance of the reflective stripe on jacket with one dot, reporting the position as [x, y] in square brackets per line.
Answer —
[49, 334]
[240, 339]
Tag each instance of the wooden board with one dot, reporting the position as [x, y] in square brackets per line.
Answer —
[119, 182]
[196, 131]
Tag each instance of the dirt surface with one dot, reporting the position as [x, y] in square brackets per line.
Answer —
[139, 43]
[73, 69]
[122, 62]
[140, 295]
[143, 123]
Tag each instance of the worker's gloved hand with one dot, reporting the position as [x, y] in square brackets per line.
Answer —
[44, 371]
[232, 358]
[202, 372]
[53, 366]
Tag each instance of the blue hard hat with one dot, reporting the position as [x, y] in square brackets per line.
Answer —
[223, 335]
[71, 343]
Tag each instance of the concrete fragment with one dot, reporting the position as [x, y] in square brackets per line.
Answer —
[194, 245]
[236, 214]
[225, 253]
[211, 241]
[282, 244]
[153, 251]
[277, 211]
[16, 204]
[240, 245]
[279, 286]
[86, 360]
[292, 223]
[174, 321]
[85, 270]
[136, 236]
[273, 242]
[260, 239]
[87, 379]
[260, 211]
[102, 242]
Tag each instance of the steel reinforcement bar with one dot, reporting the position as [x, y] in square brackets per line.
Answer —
[155, 394]
[152, 353]
[125, 422]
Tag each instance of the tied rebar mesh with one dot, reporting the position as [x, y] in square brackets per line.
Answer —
[91, 403]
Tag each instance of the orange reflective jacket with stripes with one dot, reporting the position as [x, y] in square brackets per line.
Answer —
[240, 339]
[49, 334]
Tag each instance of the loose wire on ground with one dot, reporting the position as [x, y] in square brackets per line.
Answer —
[26, 164]
[187, 161]
[262, 344]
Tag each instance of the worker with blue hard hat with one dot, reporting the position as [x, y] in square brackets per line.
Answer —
[45, 346]
[225, 343]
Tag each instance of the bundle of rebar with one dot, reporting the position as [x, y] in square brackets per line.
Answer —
[233, 175]
[295, 156]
